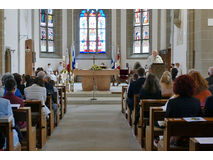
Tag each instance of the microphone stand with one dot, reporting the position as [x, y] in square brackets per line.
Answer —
[93, 78]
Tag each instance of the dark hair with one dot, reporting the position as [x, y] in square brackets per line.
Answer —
[38, 70]
[137, 65]
[174, 73]
[52, 82]
[39, 82]
[184, 85]
[135, 77]
[17, 77]
[140, 71]
[151, 83]
[10, 84]
[27, 77]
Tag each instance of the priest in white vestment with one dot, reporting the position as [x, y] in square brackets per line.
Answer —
[154, 58]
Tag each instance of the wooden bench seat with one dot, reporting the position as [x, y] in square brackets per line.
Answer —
[145, 105]
[29, 132]
[50, 121]
[38, 120]
[6, 128]
[156, 114]
[201, 144]
[180, 127]
[63, 96]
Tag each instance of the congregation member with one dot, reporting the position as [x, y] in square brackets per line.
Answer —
[19, 82]
[208, 109]
[9, 76]
[149, 90]
[50, 90]
[210, 78]
[174, 73]
[177, 65]
[6, 110]
[166, 85]
[28, 80]
[37, 91]
[135, 87]
[10, 86]
[184, 105]
[201, 87]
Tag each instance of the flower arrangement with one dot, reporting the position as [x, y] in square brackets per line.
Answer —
[95, 67]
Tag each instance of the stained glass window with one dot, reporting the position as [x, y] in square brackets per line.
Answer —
[92, 31]
[47, 30]
[141, 44]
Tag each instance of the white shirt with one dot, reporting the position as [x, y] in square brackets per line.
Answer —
[179, 72]
[38, 93]
[60, 68]
[151, 59]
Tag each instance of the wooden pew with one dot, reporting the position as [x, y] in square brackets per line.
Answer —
[145, 105]
[29, 132]
[6, 127]
[64, 97]
[133, 116]
[38, 120]
[61, 102]
[196, 144]
[180, 127]
[123, 98]
[156, 114]
[58, 109]
[50, 121]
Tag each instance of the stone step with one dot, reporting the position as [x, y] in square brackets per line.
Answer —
[87, 100]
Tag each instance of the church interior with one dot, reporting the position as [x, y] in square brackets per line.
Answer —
[106, 79]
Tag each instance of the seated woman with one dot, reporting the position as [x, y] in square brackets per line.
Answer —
[166, 85]
[201, 87]
[150, 90]
[19, 83]
[184, 105]
[38, 92]
[6, 110]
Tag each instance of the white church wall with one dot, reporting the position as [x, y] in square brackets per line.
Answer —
[11, 35]
[42, 62]
[25, 32]
[180, 42]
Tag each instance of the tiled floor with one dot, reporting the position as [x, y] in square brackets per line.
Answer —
[93, 127]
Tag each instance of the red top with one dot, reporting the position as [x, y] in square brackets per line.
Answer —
[14, 99]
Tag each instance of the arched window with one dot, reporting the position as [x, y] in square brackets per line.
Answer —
[47, 31]
[92, 31]
[141, 36]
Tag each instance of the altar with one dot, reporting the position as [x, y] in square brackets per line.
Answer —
[101, 81]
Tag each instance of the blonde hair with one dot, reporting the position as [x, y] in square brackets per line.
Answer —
[200, 82]
[166, 78]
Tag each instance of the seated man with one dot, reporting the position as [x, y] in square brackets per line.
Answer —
[10, 87]
[50, 91]
[134, 88]
[38, 92]
[6, 110]
[154, 58]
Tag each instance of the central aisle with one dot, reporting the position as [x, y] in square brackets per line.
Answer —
[92, 128]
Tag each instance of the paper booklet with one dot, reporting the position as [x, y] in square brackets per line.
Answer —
[17, 106]
[194, 119]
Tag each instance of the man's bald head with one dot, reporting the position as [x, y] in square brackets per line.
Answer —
[155, 53]
[41, 74]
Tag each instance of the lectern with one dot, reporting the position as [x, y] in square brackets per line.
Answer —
[158, 69]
